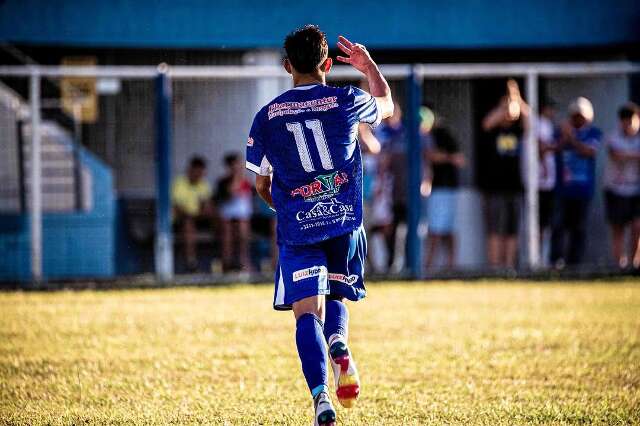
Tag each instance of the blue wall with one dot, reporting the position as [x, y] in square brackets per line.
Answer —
[79, 244]
[248, 24]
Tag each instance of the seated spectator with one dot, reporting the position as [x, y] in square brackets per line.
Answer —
[499, 175]
[622, 185]
[234, 198]
[191, 199]
[578, 145]
[443, 154]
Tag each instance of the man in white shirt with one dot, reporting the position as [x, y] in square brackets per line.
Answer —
[622, 185]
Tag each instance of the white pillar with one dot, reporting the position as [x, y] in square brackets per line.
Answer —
[266, 88]
[36, 178]
[531, 147]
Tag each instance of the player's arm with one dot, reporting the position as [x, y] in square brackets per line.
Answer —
[263, 187]
[359, 58]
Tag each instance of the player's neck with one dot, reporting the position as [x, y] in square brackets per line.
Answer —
[305, 79]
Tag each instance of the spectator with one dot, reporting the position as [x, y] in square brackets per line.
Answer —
[547, 166]
[380, 217]
[234, 197]
[500, 178]
[392, 137]
[578, 145]
[191, 199]
[443, 154]
[622, 185]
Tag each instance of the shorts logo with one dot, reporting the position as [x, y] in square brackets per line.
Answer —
[322, 187]
[311, 272]
[348, 280]
[250, 142]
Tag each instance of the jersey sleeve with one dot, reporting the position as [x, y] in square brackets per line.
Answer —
[362, 106]
[256, 158]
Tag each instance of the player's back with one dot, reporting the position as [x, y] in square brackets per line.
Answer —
[308, 135]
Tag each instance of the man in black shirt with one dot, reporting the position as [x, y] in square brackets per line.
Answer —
[499, 175]
[443, 155]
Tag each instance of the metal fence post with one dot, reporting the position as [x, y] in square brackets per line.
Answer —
[531, 147]
[36, 177]
[164, 238]
[414, 159]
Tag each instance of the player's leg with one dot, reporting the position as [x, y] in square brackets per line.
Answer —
[301, 284]
[345, 259]
[312, 350]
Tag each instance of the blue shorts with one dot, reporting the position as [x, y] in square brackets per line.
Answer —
[333, 267]
[442, 211]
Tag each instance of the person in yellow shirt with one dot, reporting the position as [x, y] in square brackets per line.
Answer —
[191, 199]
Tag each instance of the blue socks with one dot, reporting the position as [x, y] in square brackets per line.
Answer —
[312, 350]
[336, 319]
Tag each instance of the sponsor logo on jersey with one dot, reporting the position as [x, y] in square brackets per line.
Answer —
[322, 187]
[293, 108]
[346, 279]
[250, 142]
[326, 210]
[311, 272]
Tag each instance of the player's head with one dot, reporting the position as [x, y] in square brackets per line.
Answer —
[629, 115]
[197, 168]
[307, 51]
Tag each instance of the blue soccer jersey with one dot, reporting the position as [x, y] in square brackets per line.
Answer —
[307, 137]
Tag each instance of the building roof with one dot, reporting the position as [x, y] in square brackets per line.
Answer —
[410, 24]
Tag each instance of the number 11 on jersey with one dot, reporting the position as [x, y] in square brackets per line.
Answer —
[303, 148]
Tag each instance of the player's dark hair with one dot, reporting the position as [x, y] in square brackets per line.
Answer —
[229, 159]
[628, 110]
[198, 162]
[306, 48]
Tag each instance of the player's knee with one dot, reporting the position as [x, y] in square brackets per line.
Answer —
[309, 305]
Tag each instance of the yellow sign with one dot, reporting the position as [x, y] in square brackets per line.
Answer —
[79, 98]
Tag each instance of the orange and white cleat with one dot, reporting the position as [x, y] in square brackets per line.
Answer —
[344, 371]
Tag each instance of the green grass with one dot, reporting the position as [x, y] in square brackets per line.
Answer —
[485, 353]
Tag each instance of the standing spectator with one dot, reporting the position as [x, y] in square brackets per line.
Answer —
[392, 137]
[622, 185]
[191, 200]
[234, 196]
[578, 145]
[443, 154]
[547, 166]
[380, 217]
[500, 178]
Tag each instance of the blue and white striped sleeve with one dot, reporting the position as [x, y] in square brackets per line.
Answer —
[256, 158]
[363, 106]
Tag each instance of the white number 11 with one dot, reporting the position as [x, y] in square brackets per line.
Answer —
[303, 149]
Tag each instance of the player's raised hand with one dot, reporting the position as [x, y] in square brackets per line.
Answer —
[357, 55]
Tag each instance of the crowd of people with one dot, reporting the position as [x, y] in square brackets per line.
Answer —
[567, 179]
[567, 183]
[232, 213]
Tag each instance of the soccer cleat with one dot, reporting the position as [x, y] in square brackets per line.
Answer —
[325, 415]
[344, 372]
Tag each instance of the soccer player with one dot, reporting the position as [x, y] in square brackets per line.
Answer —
[303, 147]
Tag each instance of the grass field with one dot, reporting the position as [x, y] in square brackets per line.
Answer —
[482, 353]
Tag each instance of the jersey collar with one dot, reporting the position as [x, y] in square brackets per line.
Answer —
[306, 86]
